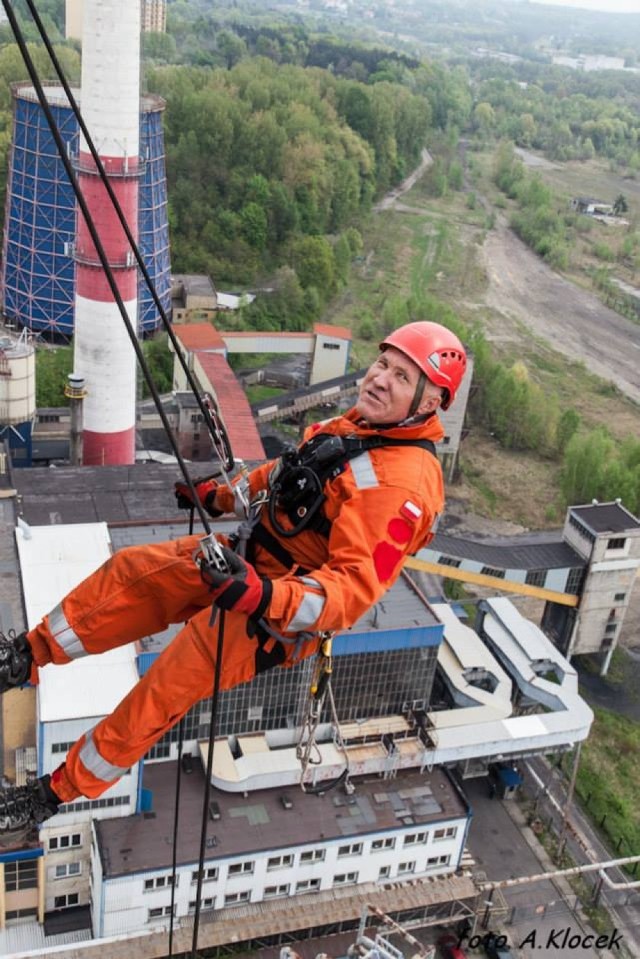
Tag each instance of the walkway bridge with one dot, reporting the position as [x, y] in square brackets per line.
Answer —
[542, 565]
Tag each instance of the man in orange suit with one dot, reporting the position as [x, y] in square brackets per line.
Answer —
[342, 512]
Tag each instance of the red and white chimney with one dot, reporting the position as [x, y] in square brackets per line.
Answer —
[103, 354]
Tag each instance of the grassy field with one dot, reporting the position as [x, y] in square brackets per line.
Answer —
[609, 779]
[433, 244]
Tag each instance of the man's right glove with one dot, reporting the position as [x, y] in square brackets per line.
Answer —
[240, 588]
[205, 488]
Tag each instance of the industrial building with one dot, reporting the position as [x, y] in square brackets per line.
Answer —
[39, 256]
[99, 868]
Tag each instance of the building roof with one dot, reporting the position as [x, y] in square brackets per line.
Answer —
[260, 822]
[532, 551]
[198, 336]
[339, 332]
[54, 559]
[236, 412]
[195, 284]
[606, 517]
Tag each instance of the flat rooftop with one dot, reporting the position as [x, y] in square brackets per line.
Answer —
[606, 518]
[260, 822]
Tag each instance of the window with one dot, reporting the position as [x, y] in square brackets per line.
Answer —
[536, 577]
[492, 571]
[620, 597]
[234, 897]
[574, 580]
[406, 867]
[158, 913]
[65, 842]
[21, 875]
[22, 913]
[207, 874]
[611, 628]
[279, 862]
[240, 868]
[415, 838]
[345, 878]
[67, 869]
[48, 418]
[385, 872]
[207, 903]
[308, 885]
[450, 832]
[158, 882]
[330, 346]
[449, 561]
[618, 542]
[353, 849]
[197, 417]
[61, 902]
[438, 861]
[313, 855]
[378, 844]
[61, 747]
[276, 892]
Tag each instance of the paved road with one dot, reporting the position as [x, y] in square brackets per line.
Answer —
[499, 847]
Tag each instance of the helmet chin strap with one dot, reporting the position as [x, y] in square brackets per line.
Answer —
[417, 396]
[408, 421]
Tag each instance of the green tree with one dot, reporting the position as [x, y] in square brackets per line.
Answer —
[314, 263]
[620, 204]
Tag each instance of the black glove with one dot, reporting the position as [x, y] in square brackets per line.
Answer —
[241, 588]
[206, 489]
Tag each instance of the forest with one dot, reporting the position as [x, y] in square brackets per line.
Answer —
[281, 134]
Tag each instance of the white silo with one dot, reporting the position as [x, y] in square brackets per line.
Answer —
[17, 396]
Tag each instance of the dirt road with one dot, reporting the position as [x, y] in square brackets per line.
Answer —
[524, 289]
[390, 198]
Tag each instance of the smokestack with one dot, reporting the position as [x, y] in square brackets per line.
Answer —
[76, 393]
[103, 354]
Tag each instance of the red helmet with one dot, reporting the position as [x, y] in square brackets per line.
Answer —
[436, 351]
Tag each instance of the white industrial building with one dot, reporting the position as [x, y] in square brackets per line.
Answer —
[400, 836]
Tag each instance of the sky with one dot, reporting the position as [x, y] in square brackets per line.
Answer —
[608, 6]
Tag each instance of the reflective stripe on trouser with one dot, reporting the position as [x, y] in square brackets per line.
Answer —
[182, 675]
[137, 592]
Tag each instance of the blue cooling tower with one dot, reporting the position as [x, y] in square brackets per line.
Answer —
[38, 269]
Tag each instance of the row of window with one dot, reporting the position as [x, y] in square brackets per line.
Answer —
[86, 805]
[283, 890]
[72, 841]
[286, 860]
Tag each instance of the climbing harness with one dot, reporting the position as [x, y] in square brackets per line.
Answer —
[298, 479]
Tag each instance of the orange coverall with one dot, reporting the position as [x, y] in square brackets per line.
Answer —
[381, 508]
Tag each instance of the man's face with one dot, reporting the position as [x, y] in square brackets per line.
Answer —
[387, 391]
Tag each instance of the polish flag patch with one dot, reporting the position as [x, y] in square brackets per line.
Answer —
[410, 511]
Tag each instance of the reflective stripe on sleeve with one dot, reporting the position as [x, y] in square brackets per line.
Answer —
[363, 471]
[310, 608]
[69, 642]
[96, 765]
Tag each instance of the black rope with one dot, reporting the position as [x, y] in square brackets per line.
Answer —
[176, 816]
[207, 784]
[125, 226]
[55, 132]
